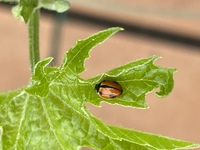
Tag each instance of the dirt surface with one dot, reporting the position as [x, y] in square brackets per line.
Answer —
[175, 116]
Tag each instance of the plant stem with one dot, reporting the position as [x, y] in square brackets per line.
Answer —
[33, 28]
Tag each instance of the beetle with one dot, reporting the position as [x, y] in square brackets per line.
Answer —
[108, 89]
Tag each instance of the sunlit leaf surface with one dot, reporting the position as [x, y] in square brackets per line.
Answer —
[50, 112]
[26, 8]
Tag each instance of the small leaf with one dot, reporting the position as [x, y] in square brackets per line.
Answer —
[28, 7]
[56, 5]
[16, 11]
[75, 57]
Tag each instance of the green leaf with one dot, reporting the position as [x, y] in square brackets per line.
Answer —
[26, 8]
[1, 133]
[9, 1]
[75, 57]
[56, 5]
[137, 79]
[50, 112]
[16, 11]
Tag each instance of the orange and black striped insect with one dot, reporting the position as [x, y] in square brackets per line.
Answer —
[108, 89]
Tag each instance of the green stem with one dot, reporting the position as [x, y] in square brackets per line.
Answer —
[33, 28]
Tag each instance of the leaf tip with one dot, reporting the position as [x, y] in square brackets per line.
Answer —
[122, 29]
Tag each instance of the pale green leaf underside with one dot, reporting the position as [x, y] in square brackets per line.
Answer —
[50, 112]
[25, 8]
[56, 5]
